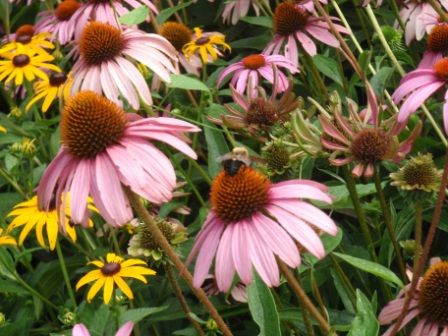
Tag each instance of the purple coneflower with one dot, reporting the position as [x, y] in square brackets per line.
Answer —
[428, 302]
[103, 148]
[422, 82]
[252, 221]
[104, 65]
[293, 25]
[254, 66]
[81, 330]
[307, 4]
[234, 10]
[104, 11]
[437, 46]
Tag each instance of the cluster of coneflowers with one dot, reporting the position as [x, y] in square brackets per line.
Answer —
[112, 155]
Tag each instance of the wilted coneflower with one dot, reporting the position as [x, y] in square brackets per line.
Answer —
[103, 148]
[206, 44]
[422, 82]
[428, 303]
[57, 22]
[366, 144]
[252, 221]
[437, 46]
[252, 67]
[234, 10]
[104, 65]
[27, 36]
[106, 11]
[56, 86]
[294, 25]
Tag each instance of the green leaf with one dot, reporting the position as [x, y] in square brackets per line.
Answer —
[167, 12]
[404, 56]
[381, 79]
[135, 16]
[10, 162]
[329, 67]
[263, 21]
[330, 243]
[258, 42]
[262, 307]
[136, 315]
[187, 83]
[99, 320]
[7, 286]
[371, 267]
[364, 60]
[365, 322]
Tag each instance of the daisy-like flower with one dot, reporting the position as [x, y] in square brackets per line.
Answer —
[437, 46]
[112, 272]
[234, 10]
[294, 25]
[428, 303]
[26, 36]
[414, 14]
[420, 84]
[28, 215]
[308, 4]
[179, 35]
[24, 62]
[252, 221]
[104, 65]
[57, 22]
[366, 144]
[50, 89]
[254, 66]
[103, 11]
[206, 44]
[81, 330]
[103, 148]
[6, 240]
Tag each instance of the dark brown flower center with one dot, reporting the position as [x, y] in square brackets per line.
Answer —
[25, 30]
[433, 296]
[66, 9]
[176, 33]
[57, 79]
[202, 40]
[254, 62]
[438, 38]
[100, 42]
[90, 123]
[21, 60]
[238, 197]
[288, 19]
[110, 269]
[24, 39]
[441, 69]
[261, 112]
[370, 145]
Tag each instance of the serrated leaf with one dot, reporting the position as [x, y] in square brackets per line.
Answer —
[365, 322]
[263, 21]
[167, 12]
[135, 16]
[262, 307]
[187, 83]
[329, 67]
[371, 267]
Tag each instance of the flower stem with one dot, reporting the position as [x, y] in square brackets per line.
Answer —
[65, 273]
[439, 10]
[303, 308]
[180, 298]
[165, 245]
[301, 295]
[429, 239]
[387, 220]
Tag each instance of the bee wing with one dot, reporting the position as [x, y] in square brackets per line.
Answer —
[222, 158]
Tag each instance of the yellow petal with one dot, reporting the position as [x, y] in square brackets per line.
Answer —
[123, 286]
[89, 277]
[49, 99]
[131, 262]
[97, 263]
[108, 289]
[39, 226]
[52, 230]
[95, 288]
[7, 240]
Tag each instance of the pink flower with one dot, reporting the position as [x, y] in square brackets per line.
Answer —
[104, 65]
[422, 82]
[252, 221]
[428, 303]
[308, 4]
[250, 68]
[437, 45]
[233, 10]
[413, 14]
[57, 22]
[103, 148]
[81, 330]
[102, 11]
[293, 24]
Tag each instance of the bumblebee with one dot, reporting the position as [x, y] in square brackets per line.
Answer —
[233, 161]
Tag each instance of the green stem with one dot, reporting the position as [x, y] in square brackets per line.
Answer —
[303, 308]
[115, 242]
[344, 280]
[439, 10]
[387, 220]
[65, 273]
[394, 6]
[201, 171]
[12, 182]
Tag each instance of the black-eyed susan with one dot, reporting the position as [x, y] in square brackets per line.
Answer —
[6, 240]
[112, 272]
[50, 89]
[29, 215]
[207, 44]
[24, 62]
[26, 36]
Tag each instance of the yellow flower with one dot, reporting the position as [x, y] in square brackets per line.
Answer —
[36, 43]
[206, 45]
[2, 129]
[6, 240]
[50, 88]
[28, 214]
[112, 272]
[24, 62]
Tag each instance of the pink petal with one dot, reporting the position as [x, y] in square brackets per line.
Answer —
[126, 329]
[224, 266]
[293, 191]
[241, 251]
[80, 330]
